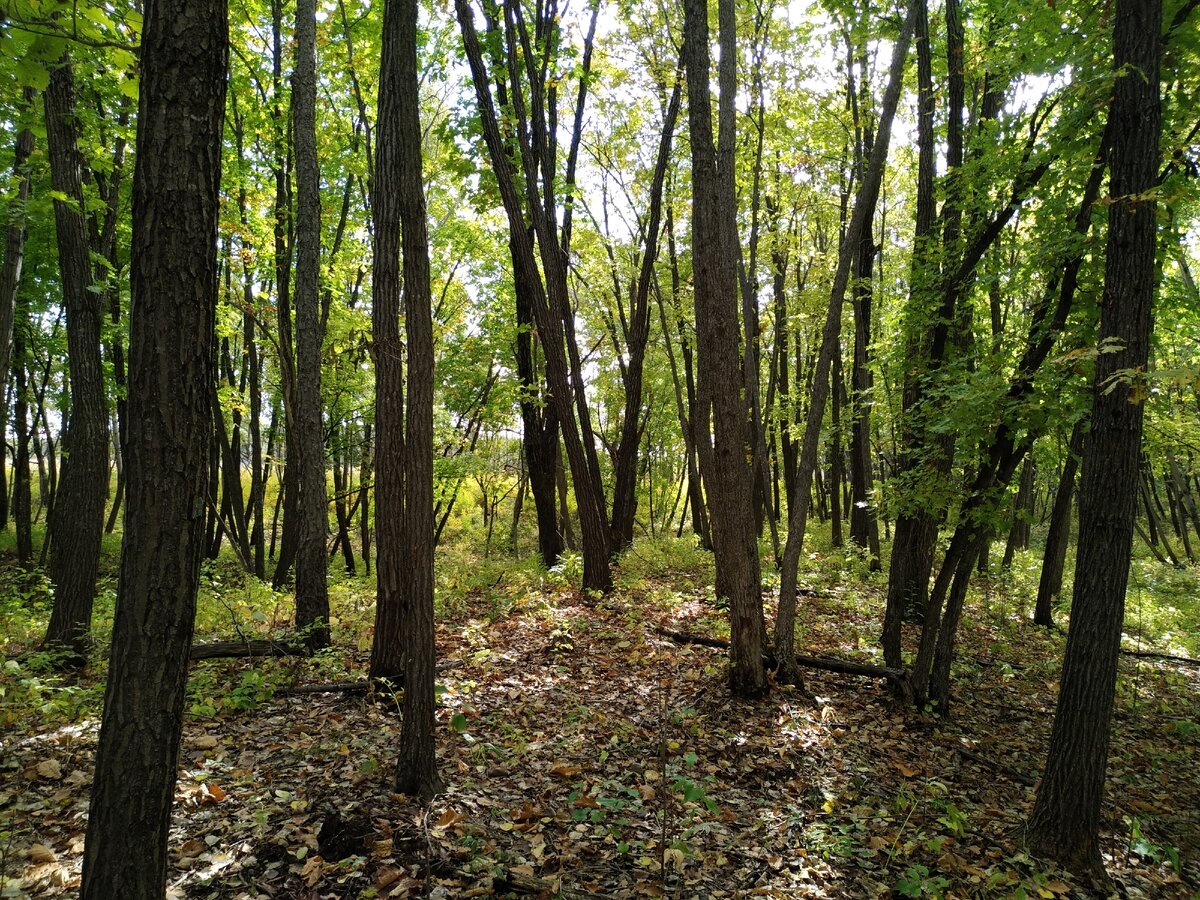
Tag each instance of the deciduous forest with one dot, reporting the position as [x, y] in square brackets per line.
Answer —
[600, 449]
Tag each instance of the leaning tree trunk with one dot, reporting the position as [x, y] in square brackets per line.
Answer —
[626, 467]
[184, 60]
[1065, 821]
[864, 212]
[78, 518]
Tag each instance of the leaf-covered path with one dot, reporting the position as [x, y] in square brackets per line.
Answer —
[588, 756]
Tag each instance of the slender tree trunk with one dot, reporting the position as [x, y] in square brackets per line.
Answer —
[864, 212]
[365, 476]
[1065, 820]
[78, 519]
[388, 648]
[22, 500]
[183, 66]
[1018, 535]
[10, 280]
[625, 474]
[1058, 537]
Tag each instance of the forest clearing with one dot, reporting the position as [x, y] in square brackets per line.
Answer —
[692, 449]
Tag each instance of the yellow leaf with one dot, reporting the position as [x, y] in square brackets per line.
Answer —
[448, 818]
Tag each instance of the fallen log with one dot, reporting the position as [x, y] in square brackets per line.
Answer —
[1164, 657]
[898, 678]
[355, 687]
[246, 649]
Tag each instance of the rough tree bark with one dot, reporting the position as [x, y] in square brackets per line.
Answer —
[312, 564]
[729, 478]
[184, 60]
[1065, 821]
[416, 770]
[387, 649]
[77, 522]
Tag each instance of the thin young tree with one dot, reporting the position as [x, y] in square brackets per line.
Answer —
[183, 63]
[1065, 822]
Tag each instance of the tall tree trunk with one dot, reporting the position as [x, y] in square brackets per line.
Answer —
[388, 647]
[22, 502]
[312, 563]
[78, 519]
[729, 479]
[1065, 820]
[626, 465]
[550, 298]
[183, 62]
[416, 770]
[10, 280]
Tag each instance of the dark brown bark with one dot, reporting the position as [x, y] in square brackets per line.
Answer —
[550, 306]
[416, 769]
[625, 465]
[78, 517]
[387, 649]
[1018, 534]
[1058, 536]
[729, 478]
[175, 205]
[1065, 820]
[312, 564]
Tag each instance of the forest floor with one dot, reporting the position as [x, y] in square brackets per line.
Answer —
[585, 755]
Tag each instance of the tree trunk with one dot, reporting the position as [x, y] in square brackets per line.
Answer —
[312, 563]
[1058, 537]
[1065, 820]
[729, 479]
[388, 648]
[78, 519]
[625, 468]
[183, 66]
[400, 125]
[1018, 535]
[10, 280]
[22, 502]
